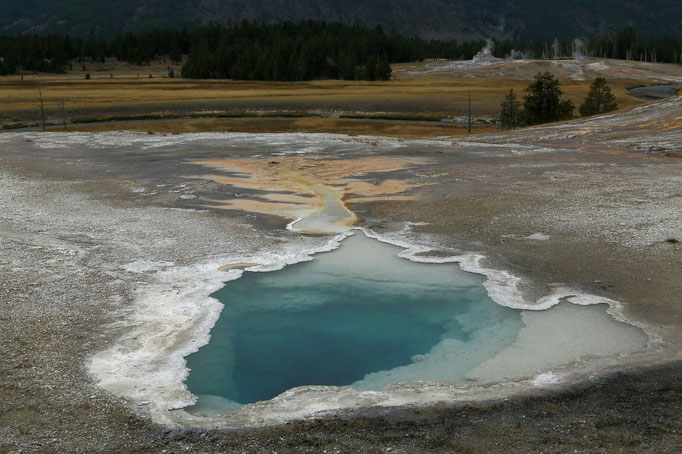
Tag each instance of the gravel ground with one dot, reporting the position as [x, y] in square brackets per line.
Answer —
[77, 242]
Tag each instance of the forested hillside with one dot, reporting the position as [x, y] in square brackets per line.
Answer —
[431, 19]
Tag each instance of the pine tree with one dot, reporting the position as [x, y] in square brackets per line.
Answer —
[543, 103]
[383, 69]
[511, 114]
[599, 99]
[349, 66]
[174, 54]
[371, 68]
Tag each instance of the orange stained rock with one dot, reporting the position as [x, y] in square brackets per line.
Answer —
[300, 186]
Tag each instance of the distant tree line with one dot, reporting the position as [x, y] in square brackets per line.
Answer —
[626, 45]
[286, 51]
[52, 53]
[299, 51]
[622, 45]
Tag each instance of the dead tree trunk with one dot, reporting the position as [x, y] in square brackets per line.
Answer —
[469, 115]
[64, 119]
[42, 109]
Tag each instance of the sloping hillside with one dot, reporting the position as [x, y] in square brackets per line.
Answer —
[527, 19]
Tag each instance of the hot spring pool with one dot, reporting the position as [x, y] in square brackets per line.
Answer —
[359, 316]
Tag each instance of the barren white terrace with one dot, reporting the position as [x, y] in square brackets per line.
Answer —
[555, 344]
[173, 314]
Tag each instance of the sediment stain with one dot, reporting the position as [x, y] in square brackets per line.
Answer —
[311, 191]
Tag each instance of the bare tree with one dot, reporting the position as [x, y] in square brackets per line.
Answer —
[511, 115]
[42, 109]
[469, 114]
[64, 118]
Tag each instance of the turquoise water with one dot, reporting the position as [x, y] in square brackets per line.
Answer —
[358, 316]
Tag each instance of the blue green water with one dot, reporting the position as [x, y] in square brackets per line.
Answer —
[357, 316]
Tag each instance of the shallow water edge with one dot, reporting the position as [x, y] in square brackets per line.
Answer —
[147, 365]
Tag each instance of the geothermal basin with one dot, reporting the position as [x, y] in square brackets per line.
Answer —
[362, 317]
[461, 328]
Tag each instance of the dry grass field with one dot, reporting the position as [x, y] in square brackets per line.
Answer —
[117, 92]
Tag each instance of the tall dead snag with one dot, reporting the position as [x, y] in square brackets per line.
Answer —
[469, 114]
[42, 109]
[63, 110]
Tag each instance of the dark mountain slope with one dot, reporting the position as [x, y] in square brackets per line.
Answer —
[472, 19]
